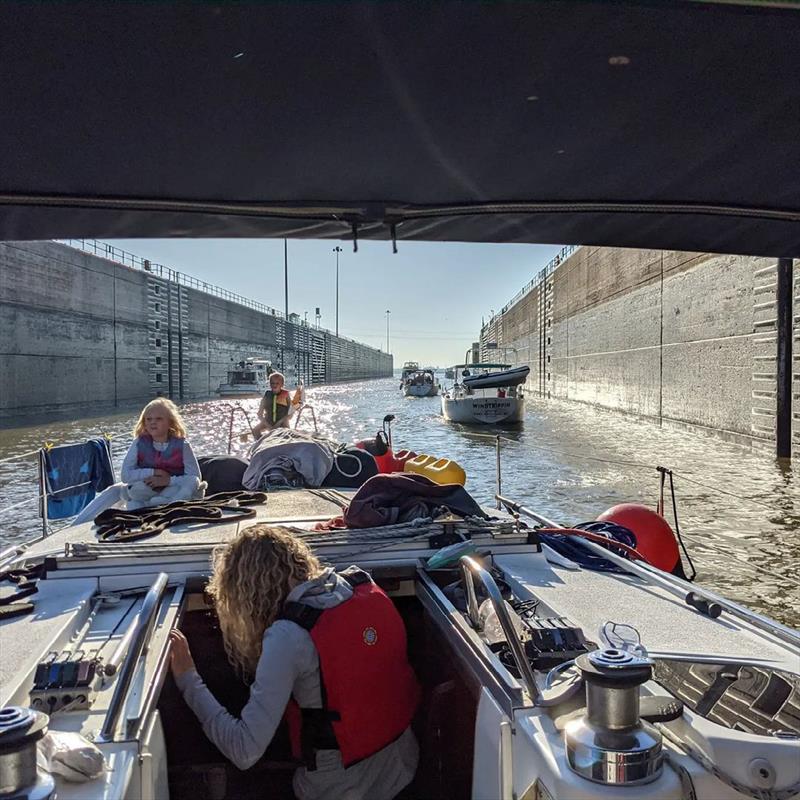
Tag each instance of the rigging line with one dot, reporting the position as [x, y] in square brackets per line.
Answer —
[563, 452]
[713, 488]
[43, 496]
[21, 503]
[18, 457]
[713, 546]
[710, 487]
[116, 627]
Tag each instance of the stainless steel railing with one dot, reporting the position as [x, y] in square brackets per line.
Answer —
[139, 643]
[470, 570]
[671, 583]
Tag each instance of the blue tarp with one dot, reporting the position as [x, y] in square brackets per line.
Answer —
[74, 473]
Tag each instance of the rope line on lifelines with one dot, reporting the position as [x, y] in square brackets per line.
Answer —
[43, 496]
[620, 462]
[710, 487]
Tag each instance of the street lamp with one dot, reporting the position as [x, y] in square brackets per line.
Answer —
[337, 250]
[387, 330]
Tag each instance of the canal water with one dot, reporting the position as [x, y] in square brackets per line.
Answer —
[739, 510]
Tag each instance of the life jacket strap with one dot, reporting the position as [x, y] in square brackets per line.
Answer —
[301, 614]
[356, 577]
[316, 734]
[305, 616]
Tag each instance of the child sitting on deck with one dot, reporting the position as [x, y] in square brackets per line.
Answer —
[276, 406]
[159, 467]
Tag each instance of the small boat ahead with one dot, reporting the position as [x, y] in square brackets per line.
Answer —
[421, 383]
[487, 394]
[247, 379]
[409, 368]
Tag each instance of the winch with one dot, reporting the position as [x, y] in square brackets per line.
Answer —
[20, 779]
[611, 744]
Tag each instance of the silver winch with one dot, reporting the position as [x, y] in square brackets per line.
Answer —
[20, 779]
[611, 744]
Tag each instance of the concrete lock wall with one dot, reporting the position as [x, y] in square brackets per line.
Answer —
[84, 334]
[687, 338]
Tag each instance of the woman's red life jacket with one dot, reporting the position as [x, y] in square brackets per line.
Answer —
[369, 691]
[170, 459]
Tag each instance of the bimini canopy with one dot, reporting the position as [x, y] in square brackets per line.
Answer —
[648, 124]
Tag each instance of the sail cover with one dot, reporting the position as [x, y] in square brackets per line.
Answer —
[642, 124]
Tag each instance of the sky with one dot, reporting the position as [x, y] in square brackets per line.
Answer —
[437, 293]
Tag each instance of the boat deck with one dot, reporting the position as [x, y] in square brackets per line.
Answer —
[298, 508]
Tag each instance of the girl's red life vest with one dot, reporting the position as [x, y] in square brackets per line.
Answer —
[369, 691]
[170, 459]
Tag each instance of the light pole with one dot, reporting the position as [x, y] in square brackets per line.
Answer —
[387, 330]
[337, 250]
[286, 278]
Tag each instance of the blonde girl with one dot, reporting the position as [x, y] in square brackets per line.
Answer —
[272, 597]
[159, 467]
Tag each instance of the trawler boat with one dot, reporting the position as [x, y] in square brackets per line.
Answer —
[541, 677]
[248, 378]
[409, 368]
[421, 383]
[486, 394]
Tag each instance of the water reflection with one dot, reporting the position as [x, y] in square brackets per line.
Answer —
[738, 509]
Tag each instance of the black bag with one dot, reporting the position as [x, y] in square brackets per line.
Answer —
[222, 473]
[352, 466]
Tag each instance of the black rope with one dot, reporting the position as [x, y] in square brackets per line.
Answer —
[25, 579]
[663, 471]
[122, 525]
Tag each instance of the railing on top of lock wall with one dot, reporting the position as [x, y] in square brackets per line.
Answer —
[120, 256]
[554, 262]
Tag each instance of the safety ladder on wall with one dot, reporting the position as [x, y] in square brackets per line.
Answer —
[545, 326]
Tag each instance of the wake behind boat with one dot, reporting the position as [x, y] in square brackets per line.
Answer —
[486, 394]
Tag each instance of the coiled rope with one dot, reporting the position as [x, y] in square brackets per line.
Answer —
[121, 525]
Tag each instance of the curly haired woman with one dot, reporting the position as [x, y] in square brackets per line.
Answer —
[326, 649]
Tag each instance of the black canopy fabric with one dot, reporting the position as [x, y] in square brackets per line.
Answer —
[649, 124]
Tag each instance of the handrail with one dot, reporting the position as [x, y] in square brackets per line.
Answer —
[671, 583]
[138, 646]
[116, 254]
[540, 276]
[234, 407]
[304, 407]
[471, 569]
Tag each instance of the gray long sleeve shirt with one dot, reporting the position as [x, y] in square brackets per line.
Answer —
[289, 666]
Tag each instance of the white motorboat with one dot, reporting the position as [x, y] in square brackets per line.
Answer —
[420, 383]
[542, 678]
[248, 378]
[409, 368]
[485, 394]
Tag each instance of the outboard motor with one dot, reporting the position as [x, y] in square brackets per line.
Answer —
[611, 744]
[20, 729]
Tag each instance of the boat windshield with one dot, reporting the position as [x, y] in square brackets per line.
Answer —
[242, 377]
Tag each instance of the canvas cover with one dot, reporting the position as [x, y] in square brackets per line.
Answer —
[647, 124]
